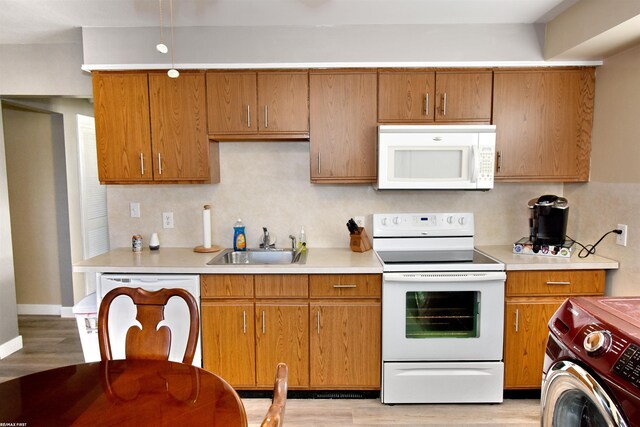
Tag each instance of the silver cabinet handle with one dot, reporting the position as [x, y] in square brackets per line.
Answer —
[426, 105]
[262, 322]
[244, 322]
[266, 116]
[499, 161]
[345, 286]
[248, 116]
[159, 164]
[444, 104]
[141, 164]
[318, 163]
[318, 322]
[558, 283]
[516, 320]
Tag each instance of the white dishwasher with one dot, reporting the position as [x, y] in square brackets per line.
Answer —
[123, 312]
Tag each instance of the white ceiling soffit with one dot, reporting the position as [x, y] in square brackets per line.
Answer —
[58, 21]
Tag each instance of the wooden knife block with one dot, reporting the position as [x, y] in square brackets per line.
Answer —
[360, 242]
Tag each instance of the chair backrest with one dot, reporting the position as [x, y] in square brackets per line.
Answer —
[275, 414]
[148, 342]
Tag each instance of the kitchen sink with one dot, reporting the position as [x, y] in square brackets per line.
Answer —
[259, 256]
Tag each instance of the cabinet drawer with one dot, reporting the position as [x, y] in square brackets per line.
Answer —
[345, 285]
[282, 285]
[555, 282]
[226, 285]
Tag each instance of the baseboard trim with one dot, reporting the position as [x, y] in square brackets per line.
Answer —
[66, 312]
[39, 309]
[10, 346]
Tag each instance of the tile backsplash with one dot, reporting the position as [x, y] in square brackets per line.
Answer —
[267, 184]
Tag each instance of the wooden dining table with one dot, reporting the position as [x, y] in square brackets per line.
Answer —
[121, 393]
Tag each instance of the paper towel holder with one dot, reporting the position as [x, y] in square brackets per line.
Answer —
[202, 248]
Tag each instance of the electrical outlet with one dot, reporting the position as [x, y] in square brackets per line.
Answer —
[359, 220]
[134, 209]
[167, 219]
[621, 239]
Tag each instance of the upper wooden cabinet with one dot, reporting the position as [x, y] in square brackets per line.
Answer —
[123, 136]
[343, 117]
[258, 105]
[151, 128]
[426, 97]
[543, 124]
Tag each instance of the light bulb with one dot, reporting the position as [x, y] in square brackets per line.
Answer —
[173, 73]
[162, 48]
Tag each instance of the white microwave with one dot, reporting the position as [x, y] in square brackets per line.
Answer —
[436, 157]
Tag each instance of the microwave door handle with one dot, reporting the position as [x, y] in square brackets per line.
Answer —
[475, 163]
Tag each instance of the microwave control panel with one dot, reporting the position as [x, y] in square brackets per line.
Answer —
[487, 159]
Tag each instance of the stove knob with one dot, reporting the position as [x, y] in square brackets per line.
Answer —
[597, 342]
[450, 219]
[385, 221]
[461, 220]
[396, 220]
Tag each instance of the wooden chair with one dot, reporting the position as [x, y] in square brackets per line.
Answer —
[275, 414]
[150, 342]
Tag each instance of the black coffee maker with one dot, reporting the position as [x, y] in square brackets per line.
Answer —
[548, 220]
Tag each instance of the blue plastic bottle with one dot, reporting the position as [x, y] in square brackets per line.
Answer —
[239, 238]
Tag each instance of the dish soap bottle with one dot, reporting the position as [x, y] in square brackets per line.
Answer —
[302, 240]
[239, 237]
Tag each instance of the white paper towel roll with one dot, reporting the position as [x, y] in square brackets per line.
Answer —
[206, 226]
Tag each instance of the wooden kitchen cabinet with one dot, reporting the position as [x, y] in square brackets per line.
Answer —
[150, 128]
[123, 136]
[326, 328]
[246, 105]
[434, 97]
[543, 124]
[345, 318]
[532, 297]
[343, 126]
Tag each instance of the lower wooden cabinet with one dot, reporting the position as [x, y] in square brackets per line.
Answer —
[326, 328]
[532, 297]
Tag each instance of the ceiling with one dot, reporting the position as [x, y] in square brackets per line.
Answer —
[58, 21]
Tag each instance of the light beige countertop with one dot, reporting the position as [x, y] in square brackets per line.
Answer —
[513, 262]
[185, 260]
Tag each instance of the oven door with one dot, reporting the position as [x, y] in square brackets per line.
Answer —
[453, 316]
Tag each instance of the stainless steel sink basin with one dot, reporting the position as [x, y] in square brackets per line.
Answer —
[259, 256]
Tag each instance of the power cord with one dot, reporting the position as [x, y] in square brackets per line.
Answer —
[591, 249]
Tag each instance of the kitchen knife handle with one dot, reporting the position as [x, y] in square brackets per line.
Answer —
[248, 116]
[244, 322]
[141, 164]
[516, 324]
[263, 322]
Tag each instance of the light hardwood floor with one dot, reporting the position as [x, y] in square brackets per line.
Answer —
[50, 342]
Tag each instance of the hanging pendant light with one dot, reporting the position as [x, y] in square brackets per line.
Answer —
[173, 73]
[161, 47]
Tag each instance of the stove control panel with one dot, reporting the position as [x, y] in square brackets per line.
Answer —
[423, 224]
[628, 365]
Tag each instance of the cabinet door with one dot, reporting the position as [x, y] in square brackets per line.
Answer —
[282, 335]
[543, 121]
[405, 97]
[526, 340]
[343, 117]
[231, 101]
[345, 344]
[283, 103]
[463, 97]
[123, 139]
[228, 345]
[178, 128]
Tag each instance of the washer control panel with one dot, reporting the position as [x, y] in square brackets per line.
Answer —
[628, 365]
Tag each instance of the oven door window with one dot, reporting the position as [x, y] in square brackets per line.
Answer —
[439, 314]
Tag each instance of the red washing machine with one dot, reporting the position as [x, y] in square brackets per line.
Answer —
[591, 373]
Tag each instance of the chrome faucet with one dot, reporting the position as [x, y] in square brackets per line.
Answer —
[266, 239]
[293, 242]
